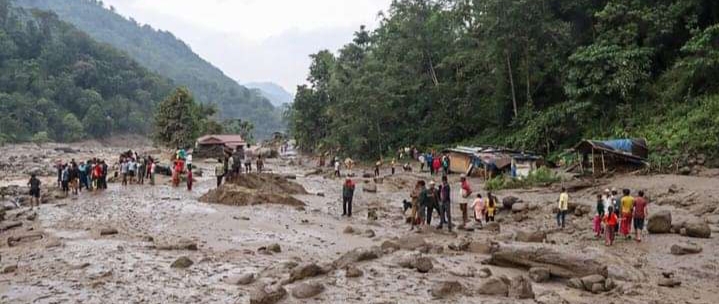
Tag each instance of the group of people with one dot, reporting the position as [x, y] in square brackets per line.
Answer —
[235, 163]
[437, 163]
[73, 177]
[618, 214]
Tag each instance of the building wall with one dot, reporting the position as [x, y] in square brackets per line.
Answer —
[459, 163]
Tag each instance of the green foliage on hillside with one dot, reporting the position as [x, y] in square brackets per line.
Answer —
[532, 74]
[163, 53]
[57, 83]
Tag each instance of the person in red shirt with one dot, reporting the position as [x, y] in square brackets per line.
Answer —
[640, 213]
[610, 221]
[436, 164]
[465, 195]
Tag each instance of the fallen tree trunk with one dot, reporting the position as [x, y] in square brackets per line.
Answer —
[563, 262]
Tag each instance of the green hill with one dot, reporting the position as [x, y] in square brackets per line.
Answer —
[165, 54]
[57, 83]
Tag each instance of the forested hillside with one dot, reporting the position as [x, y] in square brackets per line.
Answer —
[276, 94]
[57, 83]
[533, 74]
[163, 53]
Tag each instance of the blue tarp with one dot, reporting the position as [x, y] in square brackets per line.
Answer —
[620, 144]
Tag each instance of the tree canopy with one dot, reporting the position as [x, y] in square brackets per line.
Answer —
[531, 74]
[57, 83]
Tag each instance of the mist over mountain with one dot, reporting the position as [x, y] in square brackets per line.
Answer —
[275, 93]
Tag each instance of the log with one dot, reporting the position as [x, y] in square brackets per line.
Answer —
[10, 225]
[14, 240]
[563, 262]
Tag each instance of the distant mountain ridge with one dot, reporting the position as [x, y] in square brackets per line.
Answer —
[163, 53]
[275, 93]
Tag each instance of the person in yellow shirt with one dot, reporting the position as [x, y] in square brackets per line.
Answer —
[563, 207]
[627, 205]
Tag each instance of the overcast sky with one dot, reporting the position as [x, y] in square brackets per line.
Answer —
[257, 40]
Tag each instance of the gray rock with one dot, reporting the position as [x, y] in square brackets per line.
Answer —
[390, 246]
[352, 271]
[268, 294]
[492, 226]
[575, 283]
[669, 282]
[494, 287]
[589, 281]
[369, 233]
[446, 289]
[519, 207]
[521, 288]
[348, 230]
[684, 248]
[182, 263]
[274, 248]
[597, 288]
[9, 269]
[660, 222]
[108, 231]
[369, 188]
[539, 274]
[307, 290]
[304, 271]
[244, 279]
[485, 273]
[357, 255]
[509, 201]
[698, 230]
[424, 264]
[536, 236]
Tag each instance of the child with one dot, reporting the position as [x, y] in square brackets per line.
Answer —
[478, 209]
[600, 215]
[610, 221]
[491, 207]
[189, 178]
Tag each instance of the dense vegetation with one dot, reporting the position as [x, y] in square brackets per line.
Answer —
[532, 74]
[163, 53]
[57, 83]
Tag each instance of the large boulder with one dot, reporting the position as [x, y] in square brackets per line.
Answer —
[307, 290]
[684, 248]
[268, 294]
[357, 255]
[304, 271]
[509, 201]
[561, 262]
[536, 236]
[519, 207]
[369, 188]
[182, 262]
[424, 264]
[446, 289]
[411, 242]
[698, 230]
[539, 274]
[521, 288]
[660, 222]
[494, 286]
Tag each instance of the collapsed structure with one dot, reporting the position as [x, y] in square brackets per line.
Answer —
[610, 155]
[218, 146]
[490, 161]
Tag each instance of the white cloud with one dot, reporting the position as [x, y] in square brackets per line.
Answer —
[257, 40]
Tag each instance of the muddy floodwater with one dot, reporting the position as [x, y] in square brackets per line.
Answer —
[118, 245]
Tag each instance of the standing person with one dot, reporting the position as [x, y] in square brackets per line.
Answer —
[479, 209]
[260, 164]
[433, 202]
[348, 192]
[75, 179]
[103, 179]
[153, 167]
[430, 163]
[59, 173]
[189, 178]
[393, 164]
[610, 221]
[83, 168]
[132, 168]
[445, 164]
[563, 207]
[189, 161]
[436, 165]
[96, 174]
[465, 193]
[616, 203]
[34, 184]
[177, 172]
[640, 213]
[124, 171]
[599, 217]
[491, 207]
[377, 165]
[141, 170]
[627, 208]
[445, 216]
[422, 160]
[337, 169]
[414, 196]
[248, 163]
[65, 179]
[423, 200]
[219, 172]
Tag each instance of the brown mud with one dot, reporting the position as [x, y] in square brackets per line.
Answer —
[319, 256]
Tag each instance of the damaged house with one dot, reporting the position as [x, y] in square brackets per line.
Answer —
[490, 161]
[610, 155]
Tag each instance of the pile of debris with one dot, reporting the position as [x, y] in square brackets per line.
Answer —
[256, 189]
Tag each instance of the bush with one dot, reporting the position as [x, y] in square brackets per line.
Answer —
[541, 177]
[40, 138]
